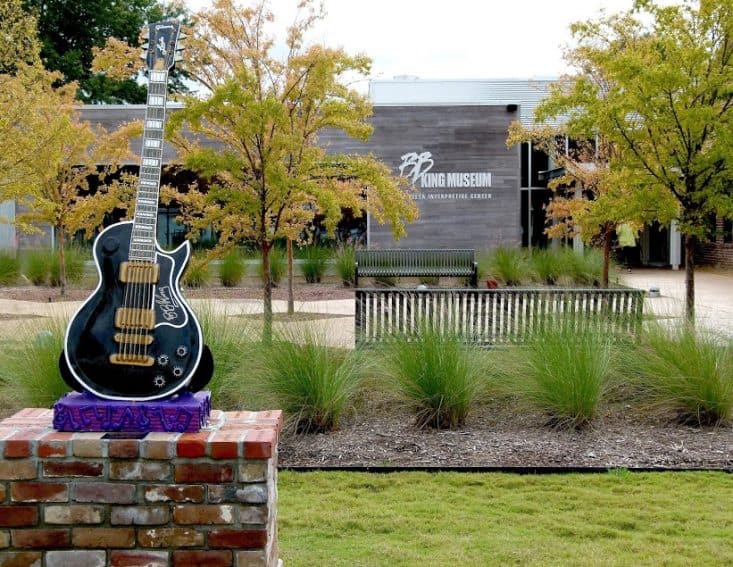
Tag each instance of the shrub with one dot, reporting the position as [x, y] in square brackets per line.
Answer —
[549, 265]
[562, 372]
[29, 367]
[346, 264]
[232, 344]
[278, 265]
[37, 266]
[687, 372]
[313, 383]
[197, 272]
[9, 269]
[74, 257]
[587, 268]
[231, 269]
[508, 265]
[314, 263]
[439, 377]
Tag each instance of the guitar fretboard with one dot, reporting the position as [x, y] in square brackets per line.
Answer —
[142, 244]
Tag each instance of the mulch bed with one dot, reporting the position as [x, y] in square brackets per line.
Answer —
[381, 434]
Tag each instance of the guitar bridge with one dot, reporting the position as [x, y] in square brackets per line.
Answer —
[133, 318]
[139, 272]
[132, 359]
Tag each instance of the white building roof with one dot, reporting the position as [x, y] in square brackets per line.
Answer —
[413, 91]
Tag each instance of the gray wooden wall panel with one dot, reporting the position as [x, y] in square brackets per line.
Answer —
[460, 139]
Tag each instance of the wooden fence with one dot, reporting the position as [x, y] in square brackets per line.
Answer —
[494, 316]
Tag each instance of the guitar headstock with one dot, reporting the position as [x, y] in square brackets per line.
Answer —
[163, 45]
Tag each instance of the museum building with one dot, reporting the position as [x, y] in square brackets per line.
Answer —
[449, 138]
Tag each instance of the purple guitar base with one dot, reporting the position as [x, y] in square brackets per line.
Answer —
[185, 413]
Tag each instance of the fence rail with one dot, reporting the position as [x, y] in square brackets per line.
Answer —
[494, 316]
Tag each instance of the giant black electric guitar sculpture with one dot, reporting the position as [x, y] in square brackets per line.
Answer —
[135, 338]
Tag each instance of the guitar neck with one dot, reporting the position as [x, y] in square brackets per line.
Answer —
[142, 243]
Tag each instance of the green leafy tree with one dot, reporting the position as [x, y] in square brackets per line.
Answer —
[268, 176]
[657, 83]
[70, 30]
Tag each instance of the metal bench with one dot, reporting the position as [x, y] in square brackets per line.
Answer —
[458, 263]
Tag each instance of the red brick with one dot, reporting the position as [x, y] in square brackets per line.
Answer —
[24, 469]
[192, 445]
[259, 444]
[139, 559]
[73, 468]
[174, 493]
[103, 537]
[104, 492]
[170, 537]
[55, 444]
[18, 445]
[254, 558]
[193, 514]
[123, 448]
[226, 444]
[18, 516]
[139, 470]
[21, 559]
[36, 539]
[242, 539]
[4, 539]
[204, 472]
[39, 492]
[2, 493]
[222, 558]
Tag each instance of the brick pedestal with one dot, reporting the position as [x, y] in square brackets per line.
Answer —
[95, 499]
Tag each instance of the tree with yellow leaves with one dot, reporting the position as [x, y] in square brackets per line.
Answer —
[255, 134]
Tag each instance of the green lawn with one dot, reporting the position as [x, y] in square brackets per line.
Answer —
[464, 519]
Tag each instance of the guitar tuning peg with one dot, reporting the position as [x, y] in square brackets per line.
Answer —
[144, 56]
[180, 47]
[182, 36]
[145, 45]
[178, 57]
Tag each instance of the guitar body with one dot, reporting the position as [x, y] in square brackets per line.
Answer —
[171, 346]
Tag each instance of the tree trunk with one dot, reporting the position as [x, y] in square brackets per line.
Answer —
[606, 254]
[690, 245]
[291, 299]
[265, 247]
[62, 260]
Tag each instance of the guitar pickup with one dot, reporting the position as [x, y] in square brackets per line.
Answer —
[139, 272]
[133, 318]
[132, 359]
[133, 339]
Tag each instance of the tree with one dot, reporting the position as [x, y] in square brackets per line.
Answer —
[268, 177]
[605, 199]
[19, 38]
[665, 103]
[69, 31]
[53, 156]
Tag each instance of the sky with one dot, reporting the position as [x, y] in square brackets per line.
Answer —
[452, 39]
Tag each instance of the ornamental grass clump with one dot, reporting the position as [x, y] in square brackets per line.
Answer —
[314, 263]
[564, 373]
[278, 265]
[313, 383]
[29, 367]
[438, 376]
[346, 265]
[687, 372]
[9, 269]
[197, 272]
[231, 269]
[549, 265]
[508, 265]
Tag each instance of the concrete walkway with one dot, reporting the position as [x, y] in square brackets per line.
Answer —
[714, 306]
[713, 296]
